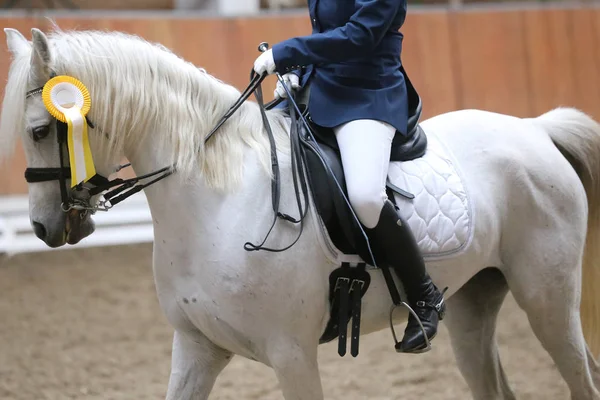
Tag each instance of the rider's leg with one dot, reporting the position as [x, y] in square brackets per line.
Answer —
[365, 147]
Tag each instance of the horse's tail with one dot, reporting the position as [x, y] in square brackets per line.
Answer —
[577, 136]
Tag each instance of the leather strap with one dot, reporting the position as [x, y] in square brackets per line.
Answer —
[297, 169]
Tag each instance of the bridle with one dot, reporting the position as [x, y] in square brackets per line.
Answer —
[99, 183]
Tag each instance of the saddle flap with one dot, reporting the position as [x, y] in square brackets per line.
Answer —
[328, 188]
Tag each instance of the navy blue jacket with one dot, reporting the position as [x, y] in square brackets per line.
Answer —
[352, 59]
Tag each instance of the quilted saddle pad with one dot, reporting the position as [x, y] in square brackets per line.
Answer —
[440, 215]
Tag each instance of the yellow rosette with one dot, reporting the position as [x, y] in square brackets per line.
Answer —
[68, 100]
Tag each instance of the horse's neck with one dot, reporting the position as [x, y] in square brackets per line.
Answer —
[191, 215]
[170, 196]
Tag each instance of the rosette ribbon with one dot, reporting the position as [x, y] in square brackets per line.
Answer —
[68, 100]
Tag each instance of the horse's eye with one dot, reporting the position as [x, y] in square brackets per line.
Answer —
[40, 132]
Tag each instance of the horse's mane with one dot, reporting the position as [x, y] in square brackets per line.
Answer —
[139, 88]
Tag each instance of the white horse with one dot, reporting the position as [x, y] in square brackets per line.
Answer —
[533, 191]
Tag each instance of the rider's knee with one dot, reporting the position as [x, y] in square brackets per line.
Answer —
[367, 204]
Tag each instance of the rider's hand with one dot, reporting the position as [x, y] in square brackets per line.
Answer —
[265, 63]
[291, 81]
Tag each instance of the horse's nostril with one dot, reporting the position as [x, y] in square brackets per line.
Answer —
[39, 230]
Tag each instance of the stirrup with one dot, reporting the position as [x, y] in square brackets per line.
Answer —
[427, 343]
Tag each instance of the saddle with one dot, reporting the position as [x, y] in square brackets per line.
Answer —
[325, 176]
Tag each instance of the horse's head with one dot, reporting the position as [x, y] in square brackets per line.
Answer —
[25, 116]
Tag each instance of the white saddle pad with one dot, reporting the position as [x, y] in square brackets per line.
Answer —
[439, 215]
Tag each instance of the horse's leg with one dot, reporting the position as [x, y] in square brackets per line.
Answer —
[594, 367]
[550, 294]
[195, 366]
[296, 369]
[471, 322]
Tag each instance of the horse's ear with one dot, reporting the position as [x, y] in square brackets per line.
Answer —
[40, 58]
[15, 41]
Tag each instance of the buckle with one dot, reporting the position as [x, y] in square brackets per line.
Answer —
[357, 282]
[351, 284]
[337, 282]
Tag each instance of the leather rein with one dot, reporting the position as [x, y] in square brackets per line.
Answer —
[124, 188]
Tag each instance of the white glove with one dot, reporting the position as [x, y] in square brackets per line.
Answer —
[291, 81]
[265, 63]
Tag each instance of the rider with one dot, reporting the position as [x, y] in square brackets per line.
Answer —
[352, 63]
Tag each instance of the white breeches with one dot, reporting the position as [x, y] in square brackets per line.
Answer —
[365, 147]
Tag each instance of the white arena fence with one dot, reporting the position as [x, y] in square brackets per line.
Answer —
[128, 222]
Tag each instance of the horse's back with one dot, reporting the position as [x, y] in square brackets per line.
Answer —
[498, 148]
[516, 178]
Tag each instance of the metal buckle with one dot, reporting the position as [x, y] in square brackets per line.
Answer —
[337, 282]
[104, 205]
[350, 284]
[357, 282]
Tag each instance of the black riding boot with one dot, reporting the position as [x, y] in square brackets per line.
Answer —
[394, 240]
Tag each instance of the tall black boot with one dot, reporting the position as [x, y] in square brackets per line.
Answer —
[393, 240]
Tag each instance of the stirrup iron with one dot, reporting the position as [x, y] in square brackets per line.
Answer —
[427, 343]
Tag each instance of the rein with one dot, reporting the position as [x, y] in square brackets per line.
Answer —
[297, 168]
[255, 87]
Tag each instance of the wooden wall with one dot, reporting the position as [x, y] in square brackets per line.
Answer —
[520, 62]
